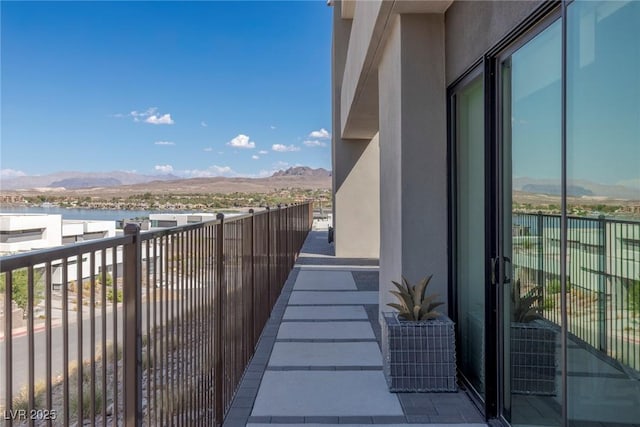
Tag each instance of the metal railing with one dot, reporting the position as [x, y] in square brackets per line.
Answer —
[603, 278]
[154, 328]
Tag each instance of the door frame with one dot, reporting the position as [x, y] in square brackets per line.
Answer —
[488, 66]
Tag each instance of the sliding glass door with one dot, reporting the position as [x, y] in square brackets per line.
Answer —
[545, 155]
[603, 208]
[470, 242]
[529, 229]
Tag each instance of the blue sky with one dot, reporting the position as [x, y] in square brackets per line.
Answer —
[190, 88]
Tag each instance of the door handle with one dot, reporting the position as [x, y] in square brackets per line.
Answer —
[507, 277]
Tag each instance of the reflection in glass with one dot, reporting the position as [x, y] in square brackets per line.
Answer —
[470, 245]
[603, 173]
[531, 161]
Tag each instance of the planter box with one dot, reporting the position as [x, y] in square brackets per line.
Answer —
[419, 356]
[533, 358]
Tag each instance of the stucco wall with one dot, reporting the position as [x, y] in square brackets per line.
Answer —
[473, 27]
[356, 177]
[413, 174]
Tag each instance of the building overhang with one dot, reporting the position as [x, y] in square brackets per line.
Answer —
[372, 20]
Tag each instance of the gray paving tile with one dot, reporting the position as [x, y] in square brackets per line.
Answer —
[315, 280]
[326, 354]
[325, 330]
[331, 297]
[345, 312]
[325, 393]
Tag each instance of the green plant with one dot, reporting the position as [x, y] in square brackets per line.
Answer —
[554, 286]
[20, 285]
[549, 303]
[110, 295]
[524, 308]
[413, 303]
[86, 402]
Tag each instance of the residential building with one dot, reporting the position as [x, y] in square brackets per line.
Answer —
[165, 220]
[449, 117]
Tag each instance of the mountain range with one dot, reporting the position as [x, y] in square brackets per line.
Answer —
[119, 183]
[577, 188]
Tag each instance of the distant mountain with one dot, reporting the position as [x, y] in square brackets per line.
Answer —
[303, 171]
[556, 190]
[72, 183]
[75, 180]
[577, 188]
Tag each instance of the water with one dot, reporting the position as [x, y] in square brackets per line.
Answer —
[81, 214]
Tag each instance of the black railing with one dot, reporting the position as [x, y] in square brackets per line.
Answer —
[603, 278]
[153, 328]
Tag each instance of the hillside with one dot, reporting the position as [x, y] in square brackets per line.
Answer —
[299, 177]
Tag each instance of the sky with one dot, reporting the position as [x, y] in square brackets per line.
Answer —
[194, 89]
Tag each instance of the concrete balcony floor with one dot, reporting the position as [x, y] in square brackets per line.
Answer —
[318, 361]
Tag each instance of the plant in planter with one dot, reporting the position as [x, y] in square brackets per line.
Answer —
[533, 345]
[418, 343]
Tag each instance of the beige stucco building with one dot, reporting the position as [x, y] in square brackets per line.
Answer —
[454, 122]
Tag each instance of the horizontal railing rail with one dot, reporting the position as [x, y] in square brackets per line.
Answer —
[152, 328]
[603, 278]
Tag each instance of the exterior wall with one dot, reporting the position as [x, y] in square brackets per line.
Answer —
[356, 178]
[51, 235]
[473, 27]
[358, 201]
[413, 154]
[181, 219]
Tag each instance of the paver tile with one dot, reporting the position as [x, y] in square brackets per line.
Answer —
[325, 281]
[332, 297]
[326, 354]
[325, 330]
[340, 312]
[319, 393]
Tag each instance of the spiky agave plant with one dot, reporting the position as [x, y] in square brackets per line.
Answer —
[524, 308]
[413, 303]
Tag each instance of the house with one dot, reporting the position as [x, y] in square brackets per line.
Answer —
[447, 115]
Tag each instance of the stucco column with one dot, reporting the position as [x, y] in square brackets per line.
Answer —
[355, 163]
[413, 160]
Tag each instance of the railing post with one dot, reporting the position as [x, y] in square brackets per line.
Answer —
[219, 318]
[602, 284]
[268, 253]
[252, 311]
[132, 329]
[540, 233]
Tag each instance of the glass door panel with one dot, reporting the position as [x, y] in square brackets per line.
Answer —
[603, 205]
[529, 241]
[470, 232]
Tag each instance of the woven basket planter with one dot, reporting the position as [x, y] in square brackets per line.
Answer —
[533, 358]
[419, 356]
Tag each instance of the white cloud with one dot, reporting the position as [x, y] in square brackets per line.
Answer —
[241, 141]
[203, 124]
[263, 152]
[284, 148]
[314, 143]
[272, 127]
[164, 168]
[208, 149]
[165, 119]
[254, 157]
[150, 115]
[211, 171]
[11, 173]
[320, 134]
[164, 143]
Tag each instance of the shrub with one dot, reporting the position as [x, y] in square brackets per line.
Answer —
[19, 286]
[110, 295]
